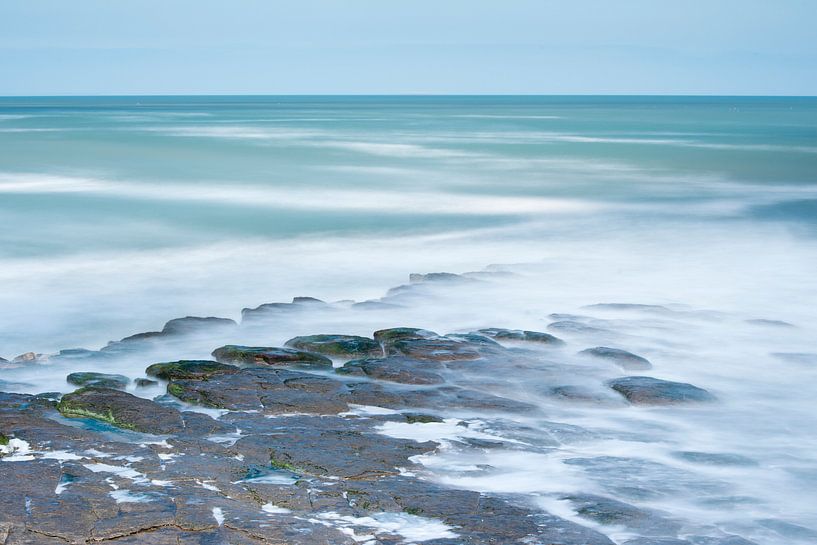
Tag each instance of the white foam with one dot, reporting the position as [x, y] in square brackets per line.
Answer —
[17, 450]
[218, 514]
[126, 496]
[274, 509]
[413, 528]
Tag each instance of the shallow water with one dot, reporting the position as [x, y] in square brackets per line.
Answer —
[117, 215]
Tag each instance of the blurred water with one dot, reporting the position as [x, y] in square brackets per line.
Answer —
[118, 214]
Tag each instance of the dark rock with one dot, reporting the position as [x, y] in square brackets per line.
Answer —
[324, 451]
[120, 409]
[518, 335]
[341, 346]
[262, 355]
[194, 324]
[387, 336]
[653, 391]
[394, 369]
[622, 358]
[102, 380]
[144, 382]
[435, 349]
[418, 418]
[271, 390]
[189, 369]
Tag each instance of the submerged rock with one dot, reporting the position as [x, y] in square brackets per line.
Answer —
[519, 335]
[174, 328]
[394, 369]
[266, 310]
[120, 409]
[622, 358]
[572, 326]
[98, 379]
[653, 391]
[351, 346]
[769, 323]
[255, 355]
[608, 511]
[145, 383]
[189, 369]
[714, 458]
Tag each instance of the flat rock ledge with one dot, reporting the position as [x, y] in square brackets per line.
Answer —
[274, 445]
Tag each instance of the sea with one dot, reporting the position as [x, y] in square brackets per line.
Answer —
[683, 229]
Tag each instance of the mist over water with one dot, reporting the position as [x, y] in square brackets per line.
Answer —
[119, 214]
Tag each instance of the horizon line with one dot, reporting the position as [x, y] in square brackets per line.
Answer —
[419, 95]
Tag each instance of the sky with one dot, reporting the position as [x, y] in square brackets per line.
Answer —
[90, 47]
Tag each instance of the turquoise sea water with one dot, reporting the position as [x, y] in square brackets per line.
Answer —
[109, 179]
[120, 213]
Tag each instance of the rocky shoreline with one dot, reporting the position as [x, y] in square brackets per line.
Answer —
[319, 441]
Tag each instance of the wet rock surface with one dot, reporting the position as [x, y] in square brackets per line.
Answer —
[275, 445]
[255, 355]
[98, 379]
[622, 358]
[653, 391]
[120, 409]
[341, 346]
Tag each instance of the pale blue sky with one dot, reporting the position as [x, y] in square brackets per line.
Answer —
[416, 46]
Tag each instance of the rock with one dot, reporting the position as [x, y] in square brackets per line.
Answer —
[769, 323]
[714, 458]
[622, 358]
[120, 409]
[174, 328]
[572, 326]
[415, 278]
[418, 418]
[145, 383]
[388, 336]
[270, 390]
[653, 391]
[342, 346]
[262, 355]
[189, 369]
[266, 310]
[98, 379]
[797, 357]
[434, 349]
[394, 369]
[194, 324]
[608, 511]
[518, 335]
[308, 301]
[28, 357]
[583, 394]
